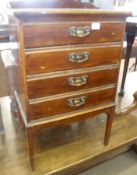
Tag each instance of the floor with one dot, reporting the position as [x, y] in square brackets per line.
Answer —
[125, 164]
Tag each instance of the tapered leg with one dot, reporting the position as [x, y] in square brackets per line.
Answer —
[30, 136]
[109, 122]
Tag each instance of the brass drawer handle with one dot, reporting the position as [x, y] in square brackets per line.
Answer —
[79, 58]
[76, 102]
[80, 32]
[77, 81]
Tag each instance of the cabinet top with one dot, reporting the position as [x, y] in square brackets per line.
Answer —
[36, 8]
[41, 12]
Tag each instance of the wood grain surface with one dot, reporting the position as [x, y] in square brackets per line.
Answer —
[57, 34]
[57, 58]
[59, 85]
[60, 105]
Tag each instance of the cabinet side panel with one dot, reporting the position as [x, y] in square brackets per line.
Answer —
[17, 50]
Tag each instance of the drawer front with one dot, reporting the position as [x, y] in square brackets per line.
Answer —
[72, 82]
[71, 103]
[68, 58]
[65, 33]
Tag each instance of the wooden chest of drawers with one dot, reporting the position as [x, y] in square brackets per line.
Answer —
[66, 66]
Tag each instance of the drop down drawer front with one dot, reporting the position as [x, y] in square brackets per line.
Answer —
[43, 34]
[71, 57]
[69, 81]
[53, 105]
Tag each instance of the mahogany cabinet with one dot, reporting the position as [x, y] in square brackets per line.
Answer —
[66, 65]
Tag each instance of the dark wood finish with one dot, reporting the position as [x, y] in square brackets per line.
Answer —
[30, 137]
[41, 30]
[75, 116]
[131, 30]
[57, 34]
[109, 125]
[46, 14]
[49, 60]
[37, 129]
[60, 104]
[46, 86]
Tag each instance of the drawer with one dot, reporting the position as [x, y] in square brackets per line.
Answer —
[52, 60]
[61, 104]
[66, 33]
[70, 81]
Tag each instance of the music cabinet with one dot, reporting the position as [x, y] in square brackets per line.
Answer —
[66, 65]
